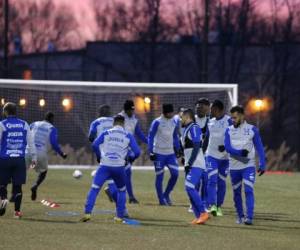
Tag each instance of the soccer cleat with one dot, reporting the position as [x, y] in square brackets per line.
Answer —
[203, 218]
[3, 205]
[108, 194]
[18, 215]
[168, 201]
[133, 200]
[248, 222]
[213, 210]
[33, 193]
[219, 211]
[86, 218]
[118, 220]
[239, 220]
[190, 210]
[194, 221]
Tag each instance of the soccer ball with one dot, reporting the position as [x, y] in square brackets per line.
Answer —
[77, 174]
[93, 173]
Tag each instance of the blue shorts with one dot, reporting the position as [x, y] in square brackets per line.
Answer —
[12, 170]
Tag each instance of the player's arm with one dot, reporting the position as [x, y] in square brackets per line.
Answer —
[260, 150]
[96, 145]
[139, 133]
[176, 142]
[53, 138]
[228, 146]
[93, 131]
[195, 133]
[134, 148]
[30, 144]
[152, 132]
[1, 130]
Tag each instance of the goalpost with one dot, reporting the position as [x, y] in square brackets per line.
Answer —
[75, 107]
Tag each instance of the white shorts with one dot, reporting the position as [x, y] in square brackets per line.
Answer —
[41, 164]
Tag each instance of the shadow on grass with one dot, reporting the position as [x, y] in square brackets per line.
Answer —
[157, 205]
[50, 221]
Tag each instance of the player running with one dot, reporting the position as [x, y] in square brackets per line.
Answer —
[112, 149]
[217, 158]
[15, 136]
[241, 141]
[194, 164]
[163, 147]
[45, 138]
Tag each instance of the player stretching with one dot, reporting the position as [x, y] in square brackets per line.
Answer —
[163, 140]
[132, 126]
[111, 149]
[217, 158]
[241, 140]
[44, 137]
[15, 135]
[194, 164]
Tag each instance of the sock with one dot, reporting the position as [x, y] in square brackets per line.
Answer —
[40, 179]
[18, 196]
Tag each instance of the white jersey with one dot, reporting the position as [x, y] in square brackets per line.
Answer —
[41, 131]
[163, 136]
[103, 124]
[245, 136]
[201, 121]
[191, 135]
[112, 146]
[130, 122]
[216, 129]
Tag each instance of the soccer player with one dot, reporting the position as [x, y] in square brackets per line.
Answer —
[241, 141]
[111, 149]
[217, 158]
[97, 127]
[163, 146]
[133, 127]
[194, 164]
[45, 138]
[15, 136]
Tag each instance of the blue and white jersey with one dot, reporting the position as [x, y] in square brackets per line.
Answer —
[15, 136]
[132, 126]
[45, 138]
[100, 125]
[216, 132]
[246, 136]
[190, 138]
[163, 136]
[202, 121]
[114, 145]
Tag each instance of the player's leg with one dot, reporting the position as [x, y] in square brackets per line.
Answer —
[249, 180]
[236, 181]
[223, 171]
[159, 165]
[173, 167]
[212, 173]
[111, 191]
[101, 176]
[119, 176]
[192, 179]
[203, 188]
[18, 179]
[129, 188]
[41, 169]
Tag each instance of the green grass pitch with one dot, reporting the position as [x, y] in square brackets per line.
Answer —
[276, 224]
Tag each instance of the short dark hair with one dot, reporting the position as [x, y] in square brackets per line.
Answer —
[49, 116]
[204, 101]
[128, 105]
[167, 108]
[239, 109]
[10, 108]
[218, 104]
[180, 109]
[119, 119]
[104, 110]
[190, 113]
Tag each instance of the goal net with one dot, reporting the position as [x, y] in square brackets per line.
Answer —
[75, 107]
